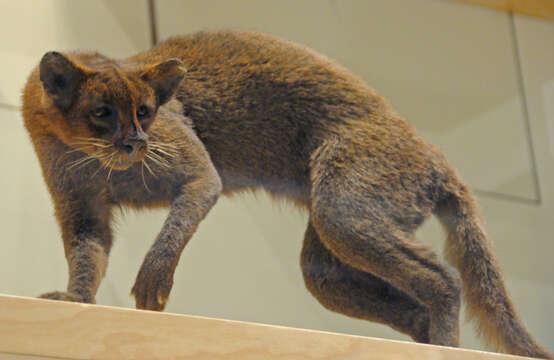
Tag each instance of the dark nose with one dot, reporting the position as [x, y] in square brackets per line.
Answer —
[133, 145]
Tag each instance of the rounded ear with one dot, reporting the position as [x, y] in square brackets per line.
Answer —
[164, 78]
[60, 78]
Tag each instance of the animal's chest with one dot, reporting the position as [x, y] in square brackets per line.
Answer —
[142, 189]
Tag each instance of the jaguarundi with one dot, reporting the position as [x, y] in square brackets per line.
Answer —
[220, 112]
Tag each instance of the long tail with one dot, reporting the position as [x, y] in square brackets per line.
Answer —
[469, 250]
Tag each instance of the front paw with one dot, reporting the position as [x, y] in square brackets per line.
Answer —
[154, 282]
[66, 296]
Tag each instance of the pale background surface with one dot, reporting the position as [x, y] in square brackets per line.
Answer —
[476, 82]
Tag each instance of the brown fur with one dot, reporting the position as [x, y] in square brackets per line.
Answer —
[253, 111]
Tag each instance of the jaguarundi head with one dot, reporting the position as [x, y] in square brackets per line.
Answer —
[104, 109]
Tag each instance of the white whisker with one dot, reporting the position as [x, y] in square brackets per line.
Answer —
[163, 152]
[109, 164]
[149, 169]
[156, 161]
[143, 179]
[159, 159]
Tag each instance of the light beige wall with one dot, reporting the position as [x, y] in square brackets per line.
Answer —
[448, 68]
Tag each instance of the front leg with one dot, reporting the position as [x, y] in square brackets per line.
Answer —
[87, 265]
[87, 242]
[155, 277]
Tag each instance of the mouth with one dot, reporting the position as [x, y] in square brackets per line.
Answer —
[114, 157]
[122, 161]
[122, 164]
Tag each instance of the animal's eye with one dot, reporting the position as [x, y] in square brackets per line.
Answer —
[142, 111]
[101, 112]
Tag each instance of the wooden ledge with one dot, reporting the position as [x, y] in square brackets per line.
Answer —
[44, 329]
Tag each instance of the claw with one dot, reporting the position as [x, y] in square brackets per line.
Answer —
[161, 299]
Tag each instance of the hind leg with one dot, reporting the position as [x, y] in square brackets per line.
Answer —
[365, 210]
[372, 246]
[341, 288]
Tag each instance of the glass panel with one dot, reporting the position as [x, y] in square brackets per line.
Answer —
[111, 27]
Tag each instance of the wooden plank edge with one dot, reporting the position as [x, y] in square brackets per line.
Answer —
[57, 329]
[12, 356]
[537, 8]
